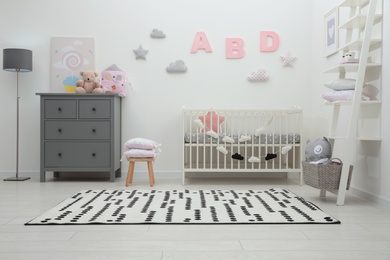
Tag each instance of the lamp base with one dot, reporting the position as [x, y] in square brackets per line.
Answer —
[17, 178]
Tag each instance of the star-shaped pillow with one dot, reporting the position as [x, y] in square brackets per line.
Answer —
[140, 53]
[288, 59]
[212, 121]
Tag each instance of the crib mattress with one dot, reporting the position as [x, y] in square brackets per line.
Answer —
[203, 138]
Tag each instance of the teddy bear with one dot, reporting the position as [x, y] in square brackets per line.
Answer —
[318, 151]
[88, 84]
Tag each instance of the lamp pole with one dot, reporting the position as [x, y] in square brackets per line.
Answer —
[16, 178]
[17, 60]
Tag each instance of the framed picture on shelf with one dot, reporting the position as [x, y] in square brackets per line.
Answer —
[331, 32]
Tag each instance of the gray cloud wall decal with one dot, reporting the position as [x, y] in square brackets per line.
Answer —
[177, 67]
[157, 34]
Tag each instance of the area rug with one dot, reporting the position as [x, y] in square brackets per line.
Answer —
[273, 206]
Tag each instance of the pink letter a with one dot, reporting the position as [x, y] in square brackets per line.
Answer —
[200, 43]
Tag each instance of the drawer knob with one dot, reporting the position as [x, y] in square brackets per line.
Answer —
[59, 130]
[94, 130]
[93, 154]
[60, 109]
[59, 154]
[93, 109]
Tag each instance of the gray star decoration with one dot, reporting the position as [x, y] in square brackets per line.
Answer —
[140, 53]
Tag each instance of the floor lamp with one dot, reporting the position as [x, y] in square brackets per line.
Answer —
[17, 60]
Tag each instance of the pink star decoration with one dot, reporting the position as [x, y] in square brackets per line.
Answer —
[212, 121]
[288, 59]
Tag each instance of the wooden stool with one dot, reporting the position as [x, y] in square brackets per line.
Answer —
[130, 172]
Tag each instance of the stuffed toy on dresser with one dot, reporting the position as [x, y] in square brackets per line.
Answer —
[88, 84]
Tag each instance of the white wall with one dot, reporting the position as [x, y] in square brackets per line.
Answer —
[153, 108]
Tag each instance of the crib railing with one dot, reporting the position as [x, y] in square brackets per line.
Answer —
[242, 140]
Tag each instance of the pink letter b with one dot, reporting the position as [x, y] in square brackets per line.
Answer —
[234, 48]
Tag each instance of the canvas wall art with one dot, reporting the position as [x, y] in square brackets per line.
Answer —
[69, 56]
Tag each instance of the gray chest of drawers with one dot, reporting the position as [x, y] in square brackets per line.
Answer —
[80, 133]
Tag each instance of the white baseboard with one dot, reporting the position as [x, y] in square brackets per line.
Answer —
[370, 197]
[163, 174]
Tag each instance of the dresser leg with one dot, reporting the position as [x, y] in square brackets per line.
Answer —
[112, 176]
[118, 173]
[56, 174]
[43, 176]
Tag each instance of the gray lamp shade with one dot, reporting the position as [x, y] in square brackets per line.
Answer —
[17, 60]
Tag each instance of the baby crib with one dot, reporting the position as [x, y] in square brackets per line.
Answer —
[242, 140]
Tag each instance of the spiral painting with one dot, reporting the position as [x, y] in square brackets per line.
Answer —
[69, 56]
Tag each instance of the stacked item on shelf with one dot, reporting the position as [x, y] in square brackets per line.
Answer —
[348, 58]
[343, 90]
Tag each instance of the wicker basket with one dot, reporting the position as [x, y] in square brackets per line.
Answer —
[325, 176]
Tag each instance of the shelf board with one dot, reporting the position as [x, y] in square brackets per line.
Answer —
[354, 3]
[375, 139]
[360, 138]
[358, 21]
[350, 67]
[349, 102]
[357, 45]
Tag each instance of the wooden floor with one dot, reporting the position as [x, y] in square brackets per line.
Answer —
[364, 232]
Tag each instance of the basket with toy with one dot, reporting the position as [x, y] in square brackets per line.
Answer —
[325, 175]
[319, 170]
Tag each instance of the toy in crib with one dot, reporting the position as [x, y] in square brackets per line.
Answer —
[284, 150]
[258, 131]
[228, 139]
[244, 138]
[252, 159]
[237, 156]
[210, 122]
[212, 117]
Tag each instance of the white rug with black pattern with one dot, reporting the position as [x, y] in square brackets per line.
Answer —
[273, 206]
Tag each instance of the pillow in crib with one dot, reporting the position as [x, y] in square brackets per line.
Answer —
[141, 143]
[341, 95]
[212, 121]
[341, 84]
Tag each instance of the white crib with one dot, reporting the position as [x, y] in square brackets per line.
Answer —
[212, 137]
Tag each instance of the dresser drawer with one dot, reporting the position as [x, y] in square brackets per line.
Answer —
[94, 109]
[77, 130]
[77, 154]
[57, 108]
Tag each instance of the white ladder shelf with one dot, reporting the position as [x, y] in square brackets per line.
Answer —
[365, 23]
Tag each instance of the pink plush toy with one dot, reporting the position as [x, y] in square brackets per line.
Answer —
[88, 84]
